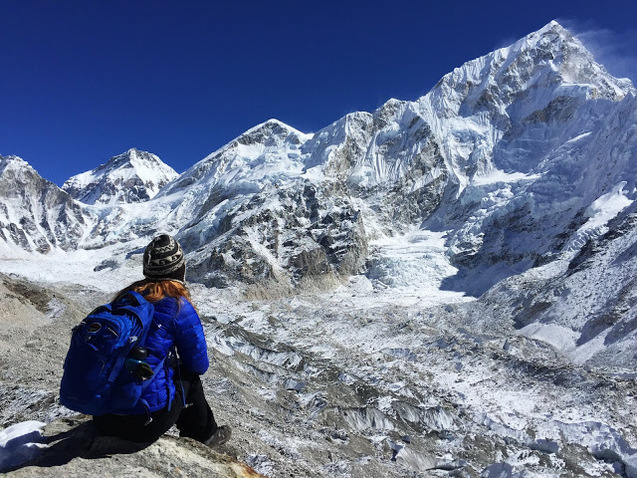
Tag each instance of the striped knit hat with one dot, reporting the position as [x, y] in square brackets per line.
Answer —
[164, 260]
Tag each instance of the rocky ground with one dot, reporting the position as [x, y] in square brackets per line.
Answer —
[335, 385]
[73, 449]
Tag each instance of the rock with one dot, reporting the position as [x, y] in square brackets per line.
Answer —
[73, 449]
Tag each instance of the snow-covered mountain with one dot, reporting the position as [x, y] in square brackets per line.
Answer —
[36, 215]
[503, 154]
[133, 176]
[472, 257]
[264, 217]
[526, 152]
[512, 161]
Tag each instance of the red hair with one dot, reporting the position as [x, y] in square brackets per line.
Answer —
[154, 291]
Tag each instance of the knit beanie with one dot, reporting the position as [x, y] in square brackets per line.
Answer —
[164, 260]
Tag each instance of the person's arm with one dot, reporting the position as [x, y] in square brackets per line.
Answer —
[190, 339]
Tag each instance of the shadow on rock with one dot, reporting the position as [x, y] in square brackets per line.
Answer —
[72, 447]
[66, 439]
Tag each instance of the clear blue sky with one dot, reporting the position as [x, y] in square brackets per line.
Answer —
[84, 80]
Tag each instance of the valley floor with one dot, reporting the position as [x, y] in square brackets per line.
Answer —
[371, 379]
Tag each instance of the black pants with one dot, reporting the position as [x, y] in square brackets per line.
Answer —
[195, 420]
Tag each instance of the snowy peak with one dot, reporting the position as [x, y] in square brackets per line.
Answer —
[20, 177]
[550, 61]
[268, 152]
[35, 214]
[134, 176]
[372, 150]
[267, 130]
[13, 163]
[267, 143]
[556, 48]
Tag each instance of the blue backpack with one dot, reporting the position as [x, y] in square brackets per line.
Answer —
[104, 369]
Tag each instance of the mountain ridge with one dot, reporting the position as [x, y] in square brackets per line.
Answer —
[485, 148]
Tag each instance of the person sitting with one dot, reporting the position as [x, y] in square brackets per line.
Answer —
[175, 396]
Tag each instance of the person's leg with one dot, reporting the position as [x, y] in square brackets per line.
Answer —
[196, 419]
[137, 428]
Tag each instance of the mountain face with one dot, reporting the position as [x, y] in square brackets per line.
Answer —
[526, 158]
[133, 176]
[264, 218]
[36, 215]
[518, 159]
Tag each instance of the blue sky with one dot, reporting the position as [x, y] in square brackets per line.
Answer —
[84, 80]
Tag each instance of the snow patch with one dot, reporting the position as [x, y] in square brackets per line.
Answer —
[19, 443]
[498, 176]
[602, 210]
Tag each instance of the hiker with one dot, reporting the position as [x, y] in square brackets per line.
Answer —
[175, 396]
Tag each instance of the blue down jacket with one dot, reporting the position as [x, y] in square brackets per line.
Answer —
[174, 323]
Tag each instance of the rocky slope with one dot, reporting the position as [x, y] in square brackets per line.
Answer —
[69, 447]
[585, 307]
[325, 385]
